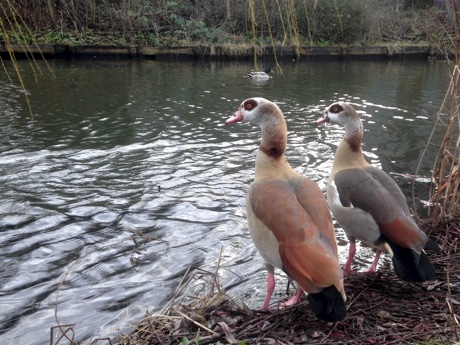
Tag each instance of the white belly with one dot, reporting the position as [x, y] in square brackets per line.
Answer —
[264, 240]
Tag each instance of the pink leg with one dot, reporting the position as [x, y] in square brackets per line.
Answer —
[293, 300]
[373, 267]
[270, 289]
[351, 254]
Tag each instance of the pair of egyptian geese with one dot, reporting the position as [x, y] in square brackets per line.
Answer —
[290, 220]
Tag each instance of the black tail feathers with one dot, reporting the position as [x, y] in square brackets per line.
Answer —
[328, 304]
[411, 266]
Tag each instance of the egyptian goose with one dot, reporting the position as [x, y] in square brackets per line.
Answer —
[370, 207]
[289, 219]
[260, 75]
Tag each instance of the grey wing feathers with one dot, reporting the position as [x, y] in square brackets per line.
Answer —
[373, 191]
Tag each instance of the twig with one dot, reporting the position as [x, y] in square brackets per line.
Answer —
[449, 300]
[195, 322]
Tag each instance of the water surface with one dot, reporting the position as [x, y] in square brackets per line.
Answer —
[124, 151]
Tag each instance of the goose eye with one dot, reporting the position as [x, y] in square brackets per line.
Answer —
[336, 108]
[250, 104]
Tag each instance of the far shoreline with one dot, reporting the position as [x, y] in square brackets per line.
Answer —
[395, 51]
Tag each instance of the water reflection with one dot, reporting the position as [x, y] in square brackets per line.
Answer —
[128, 176]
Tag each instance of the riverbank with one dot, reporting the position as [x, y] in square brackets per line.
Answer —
[223, 52]
[381, 309]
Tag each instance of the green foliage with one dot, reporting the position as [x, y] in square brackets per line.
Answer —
[196, 30]
[185, 340]
[16, 36]
[71, 38]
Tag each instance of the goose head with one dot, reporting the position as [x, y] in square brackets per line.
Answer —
[269, 118]
[343, 114]
[258, 111]
[340, 113]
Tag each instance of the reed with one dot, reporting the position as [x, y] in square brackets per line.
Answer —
[444, 193]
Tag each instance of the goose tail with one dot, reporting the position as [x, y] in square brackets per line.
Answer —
[412, 266]
[328, 304]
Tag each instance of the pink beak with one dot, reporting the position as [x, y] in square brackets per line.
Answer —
[237, 117]
[323, 119]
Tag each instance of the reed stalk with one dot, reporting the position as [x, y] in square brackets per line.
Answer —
[444, 192]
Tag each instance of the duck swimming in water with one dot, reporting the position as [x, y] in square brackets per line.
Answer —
[260, 75]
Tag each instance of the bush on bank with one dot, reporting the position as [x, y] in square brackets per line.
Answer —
[186, 22]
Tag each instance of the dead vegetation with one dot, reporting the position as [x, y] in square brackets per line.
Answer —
[445, 193]
[382, 309]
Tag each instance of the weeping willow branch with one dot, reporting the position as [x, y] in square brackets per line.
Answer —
[310, 38]
[272, 40]
[15, 65]
[288, 20]
[282, 21]
[19, 27]
[338, 18]
[13, 22]
[294, 26]
[254, 32]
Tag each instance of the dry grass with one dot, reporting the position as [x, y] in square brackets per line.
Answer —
[445, 192]
[381, 310]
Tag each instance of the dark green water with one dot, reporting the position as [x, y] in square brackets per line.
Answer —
[123, 148]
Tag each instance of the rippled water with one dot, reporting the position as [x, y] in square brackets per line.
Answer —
[123, 149]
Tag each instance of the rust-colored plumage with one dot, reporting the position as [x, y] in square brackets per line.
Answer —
[289, 219]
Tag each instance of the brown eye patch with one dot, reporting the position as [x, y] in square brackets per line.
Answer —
[336, 108]
[250, 104]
